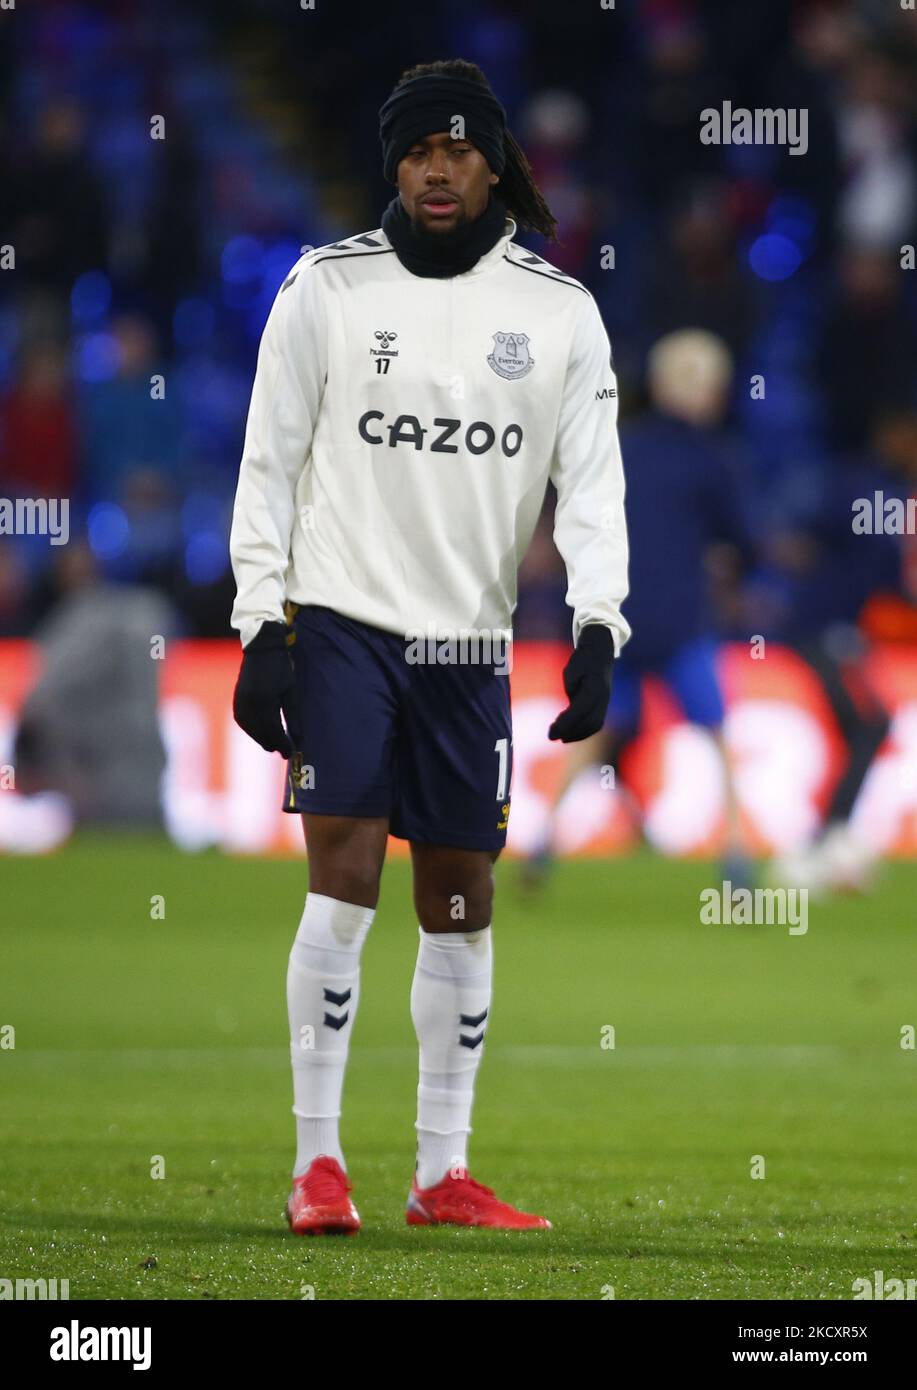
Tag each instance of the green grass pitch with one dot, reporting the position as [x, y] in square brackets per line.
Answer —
[137, 1038]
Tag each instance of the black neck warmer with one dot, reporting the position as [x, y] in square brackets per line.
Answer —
[443, 254]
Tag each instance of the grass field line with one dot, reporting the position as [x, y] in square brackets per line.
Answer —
[732, 1055]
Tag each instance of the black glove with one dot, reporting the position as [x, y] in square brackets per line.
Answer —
[266, 687]
[587, 681]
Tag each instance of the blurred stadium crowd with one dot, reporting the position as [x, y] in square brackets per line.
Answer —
[138, 256]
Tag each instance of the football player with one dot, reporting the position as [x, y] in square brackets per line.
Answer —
[417, 387]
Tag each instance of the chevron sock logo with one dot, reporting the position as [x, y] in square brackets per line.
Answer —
[336, 1021]
[471, 1021]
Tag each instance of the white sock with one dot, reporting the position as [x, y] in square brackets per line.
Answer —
[450, 1001]
[323, 988]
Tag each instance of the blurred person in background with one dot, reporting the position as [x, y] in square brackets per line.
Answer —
[55, 212]
[89, 728]
[696, 279]
[842, 590]
[132, 420]
[867, 352]
[555, 126]
[683, 497]
[38, 428]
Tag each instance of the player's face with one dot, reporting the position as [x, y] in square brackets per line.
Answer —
[444, 182]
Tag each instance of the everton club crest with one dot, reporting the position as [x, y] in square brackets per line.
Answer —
[510, 357]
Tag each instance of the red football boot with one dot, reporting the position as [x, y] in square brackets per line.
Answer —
[319, 1204]
[460, 1201]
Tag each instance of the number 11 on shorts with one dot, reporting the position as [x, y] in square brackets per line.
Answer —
[501, 748]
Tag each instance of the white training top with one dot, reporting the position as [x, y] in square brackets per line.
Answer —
[400, 438]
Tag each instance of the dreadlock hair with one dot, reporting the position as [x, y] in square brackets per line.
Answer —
[517, 187]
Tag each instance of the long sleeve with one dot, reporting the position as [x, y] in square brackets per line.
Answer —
[590, 530]
[286, 395]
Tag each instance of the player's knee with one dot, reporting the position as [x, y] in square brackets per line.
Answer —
[363, 882]
[459, 903]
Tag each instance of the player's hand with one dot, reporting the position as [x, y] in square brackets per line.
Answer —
[266, 688]
[587, 681]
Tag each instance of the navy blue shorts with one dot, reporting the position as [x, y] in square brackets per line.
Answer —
[426, 744]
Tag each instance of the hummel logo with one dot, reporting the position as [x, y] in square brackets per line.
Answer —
[383, 354]
[332, 1020]
[471, 1021]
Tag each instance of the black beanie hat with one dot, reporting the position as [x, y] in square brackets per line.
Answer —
[423, 105]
